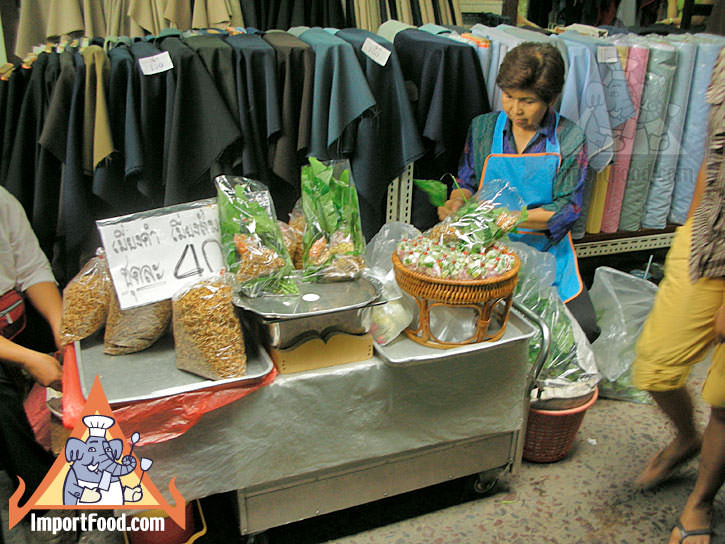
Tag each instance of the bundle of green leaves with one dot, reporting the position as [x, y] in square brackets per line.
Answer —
[251, 239]
[333, 243]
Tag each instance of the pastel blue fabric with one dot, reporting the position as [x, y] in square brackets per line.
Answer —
[500, 45]
[583, 102]
[614, 83]
[693, 137]
[650, 128]
[659, 198]
[527, 35]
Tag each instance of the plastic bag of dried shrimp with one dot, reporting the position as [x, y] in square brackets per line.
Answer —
[333, 243]
[252, 242]
[207, 333]
[134, 329]
[298, 224]
[86, 300]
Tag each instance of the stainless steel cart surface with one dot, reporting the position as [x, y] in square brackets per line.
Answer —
[323, 440]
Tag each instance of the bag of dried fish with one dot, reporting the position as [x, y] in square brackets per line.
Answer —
[86, 299]
[252, 242]
[333, 243]
[207, 334]
[134, 329]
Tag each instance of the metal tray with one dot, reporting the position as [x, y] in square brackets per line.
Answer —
[315, 299]
[152, 373]
[404, 352]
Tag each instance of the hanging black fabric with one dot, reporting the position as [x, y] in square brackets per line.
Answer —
[430, 64]
[199, 126]
[19, 80]
[116, 181]
[255, 69]
[388, 139]
[153, 102]
[295, 62]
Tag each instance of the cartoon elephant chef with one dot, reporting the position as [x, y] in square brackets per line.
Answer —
[94, 475]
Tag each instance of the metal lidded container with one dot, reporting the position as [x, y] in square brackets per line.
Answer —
[319, 310]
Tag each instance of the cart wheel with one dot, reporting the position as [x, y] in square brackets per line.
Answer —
[483, 483]
[484, 487]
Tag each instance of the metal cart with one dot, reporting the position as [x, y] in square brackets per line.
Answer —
[487, 455]
[324, 440]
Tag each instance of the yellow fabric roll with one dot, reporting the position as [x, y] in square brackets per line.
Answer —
[596, 206]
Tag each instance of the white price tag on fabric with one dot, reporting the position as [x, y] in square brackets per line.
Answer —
[607, 54]
[156, 64]
[376, 51]
[151, 255]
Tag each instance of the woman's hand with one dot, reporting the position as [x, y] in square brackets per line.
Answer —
[453, 204]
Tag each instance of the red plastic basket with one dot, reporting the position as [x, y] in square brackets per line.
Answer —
[550, 433]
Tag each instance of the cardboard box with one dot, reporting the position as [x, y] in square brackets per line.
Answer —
[336, 349]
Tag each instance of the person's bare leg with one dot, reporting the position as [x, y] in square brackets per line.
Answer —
[697, 513]
[677, 406]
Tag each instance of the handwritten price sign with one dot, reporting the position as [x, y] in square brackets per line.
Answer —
[153, 254]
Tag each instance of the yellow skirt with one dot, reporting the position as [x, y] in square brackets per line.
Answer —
[680, 329]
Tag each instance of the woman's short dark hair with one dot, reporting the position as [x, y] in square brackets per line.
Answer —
[533, 66]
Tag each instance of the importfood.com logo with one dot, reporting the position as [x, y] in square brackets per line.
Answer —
[95, 522]
[97, 470]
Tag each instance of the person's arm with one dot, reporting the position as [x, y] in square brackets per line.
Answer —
[568, 186]
[46, 298]
[43, 367]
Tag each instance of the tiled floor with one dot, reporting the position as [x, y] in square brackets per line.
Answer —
[585, 498]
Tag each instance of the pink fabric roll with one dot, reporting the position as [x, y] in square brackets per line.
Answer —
[636, 73]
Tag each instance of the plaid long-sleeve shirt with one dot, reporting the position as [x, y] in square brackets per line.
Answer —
[568, 186]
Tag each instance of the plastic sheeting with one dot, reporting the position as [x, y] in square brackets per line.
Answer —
[622, 302]
[694, 134]
[339, 416]
[662, 185]
[650, 126]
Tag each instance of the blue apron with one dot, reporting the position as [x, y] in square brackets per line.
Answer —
[532, 175]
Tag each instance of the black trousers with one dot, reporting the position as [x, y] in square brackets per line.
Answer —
[583, 311]
[20, 453]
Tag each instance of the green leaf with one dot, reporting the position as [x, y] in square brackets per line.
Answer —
[437, 191]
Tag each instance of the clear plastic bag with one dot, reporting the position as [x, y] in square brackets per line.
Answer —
[207, 334]
[570, 360]
[622, 303]
[134, 329]
[333, 243]
[485, 218]
[391, 318]
[86, 300]
[254, 249]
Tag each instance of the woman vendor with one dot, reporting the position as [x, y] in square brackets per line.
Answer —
[539, 154]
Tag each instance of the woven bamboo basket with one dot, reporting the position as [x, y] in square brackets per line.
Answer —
[483, 296]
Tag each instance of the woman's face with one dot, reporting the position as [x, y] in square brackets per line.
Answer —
[524, 108]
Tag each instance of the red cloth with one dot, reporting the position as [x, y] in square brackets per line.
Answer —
[157, 420]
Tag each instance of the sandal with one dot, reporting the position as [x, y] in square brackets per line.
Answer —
[694, 532]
